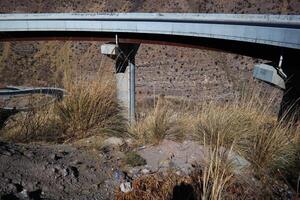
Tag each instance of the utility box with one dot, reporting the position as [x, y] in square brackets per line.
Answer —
[268, 74]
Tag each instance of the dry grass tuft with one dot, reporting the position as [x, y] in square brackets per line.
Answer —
[156, 186]
[249, 129]
[89, 108]
[246, 128]
[34, 126]
[198, 185]
[162, 122]
[217, 173]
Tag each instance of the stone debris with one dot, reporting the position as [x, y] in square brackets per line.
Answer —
[29, 154]
[169, 154]
[24, 193]
[181, 156]
[55, 157]
[126, 187]
[36, 171]
[113, 141]
[145, 171]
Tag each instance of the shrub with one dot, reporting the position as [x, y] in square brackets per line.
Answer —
[250, 130]
[133, 159]
[90, 107]
[160, 123]
[158, 186]
[34, 126]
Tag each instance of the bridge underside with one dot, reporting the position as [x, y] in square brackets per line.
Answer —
[291, 64]
[256, 50]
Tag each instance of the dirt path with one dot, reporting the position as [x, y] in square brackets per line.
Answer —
[37, 171]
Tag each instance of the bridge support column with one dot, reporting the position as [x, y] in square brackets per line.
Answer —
[132, 102]
[124, 55]
[290, 105]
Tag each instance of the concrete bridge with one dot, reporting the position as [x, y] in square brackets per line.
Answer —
[272, 37]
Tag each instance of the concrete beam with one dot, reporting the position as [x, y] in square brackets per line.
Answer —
[268, 74]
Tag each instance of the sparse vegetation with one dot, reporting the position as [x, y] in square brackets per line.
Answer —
[158, 186]
[246, 127]
[133, 159]
[35, 125]
[89, 108]
[162, 122]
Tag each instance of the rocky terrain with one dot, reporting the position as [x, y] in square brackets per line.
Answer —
[54, 172]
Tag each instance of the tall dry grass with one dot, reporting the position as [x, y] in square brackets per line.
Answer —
[35, 125]
[217, 173]
[246, 127]
[89, 108]
[250, 129]
[161, 122]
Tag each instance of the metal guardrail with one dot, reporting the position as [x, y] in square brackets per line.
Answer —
[17, 91]
[10, 91]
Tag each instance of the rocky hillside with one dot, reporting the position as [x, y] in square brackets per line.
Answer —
[165, 70]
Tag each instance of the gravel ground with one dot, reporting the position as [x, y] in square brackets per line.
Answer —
[35, 171]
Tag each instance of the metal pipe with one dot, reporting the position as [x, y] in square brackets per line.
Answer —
[131, 91]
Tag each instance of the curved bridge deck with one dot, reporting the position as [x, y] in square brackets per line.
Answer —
[253, 35]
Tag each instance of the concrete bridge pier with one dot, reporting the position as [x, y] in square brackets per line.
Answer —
[124, 56]
[290, 105]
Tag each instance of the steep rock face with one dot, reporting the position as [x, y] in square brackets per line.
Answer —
[172, 71]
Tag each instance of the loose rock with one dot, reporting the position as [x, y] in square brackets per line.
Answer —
[126, 187]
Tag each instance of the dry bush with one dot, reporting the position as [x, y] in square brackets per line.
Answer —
[259, 138]
[271, 147]
[248, 128]
[34, 126]
[158, 186]
[248, 125]
[217, 173]
[222, 174]
[200, 184]
[160, 123]
[90, 107]
[215, 124]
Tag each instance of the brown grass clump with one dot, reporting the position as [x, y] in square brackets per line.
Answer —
[197, 185]
[249, 129]
[162, 122]
[156, 186]
[90, 107]
[217, 173]
[33, 126]
[246, 128]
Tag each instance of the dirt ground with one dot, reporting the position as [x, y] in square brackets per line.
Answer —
[35, 171]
